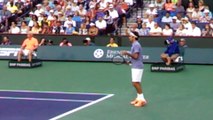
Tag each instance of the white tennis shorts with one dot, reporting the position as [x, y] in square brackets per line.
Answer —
[26, 52]
[137, 75]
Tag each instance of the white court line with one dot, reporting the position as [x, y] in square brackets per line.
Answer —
[55, 92]
[59, 92]
[44, 99]
[82, 107]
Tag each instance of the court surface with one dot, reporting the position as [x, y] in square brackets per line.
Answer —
[186, 95]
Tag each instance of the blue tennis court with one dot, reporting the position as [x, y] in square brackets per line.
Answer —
[40, 105]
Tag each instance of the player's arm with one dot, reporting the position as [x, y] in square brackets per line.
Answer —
[23, 45]
[134, 55]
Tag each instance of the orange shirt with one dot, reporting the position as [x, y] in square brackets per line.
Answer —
[169, 6]
[30, 44]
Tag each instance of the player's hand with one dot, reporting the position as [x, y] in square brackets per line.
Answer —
[124, 52]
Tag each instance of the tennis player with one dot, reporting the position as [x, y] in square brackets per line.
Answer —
[136, 68]
[28, 47]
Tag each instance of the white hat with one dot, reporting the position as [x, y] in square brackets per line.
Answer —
[138, 16]
[151, 5]
[51, 11]
[206, 11]
[88, 39]
[31, 13]
[174, 17]
[68, 7]
[91, 24]
[38, 5]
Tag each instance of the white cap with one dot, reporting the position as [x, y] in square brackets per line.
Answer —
[151, 5]
[38, 5]
[174, 17]
[88, 39]
[31, 13]
[138, 16]
[206, 11]
[68, 7]
[51, 11]
[91, 24]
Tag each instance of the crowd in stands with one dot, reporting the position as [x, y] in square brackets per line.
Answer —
[100, 17]
[71, 17]
[172, 17]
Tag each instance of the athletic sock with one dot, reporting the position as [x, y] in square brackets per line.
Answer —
[140, 97]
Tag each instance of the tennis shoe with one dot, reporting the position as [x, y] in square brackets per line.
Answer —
[134, 102]
[140, 103]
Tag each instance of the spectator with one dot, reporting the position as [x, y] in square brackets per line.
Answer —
[92, 13]
[150, 23]
[82, 12]
[83, 29]
[132, 28]
[45, 29]
[112, 12]
[28, 47]
[196, 14]
[68, 11]
[190, 10]
[24, 29]
[14, 29]
[151, 10]
[87, 42]
[172, 51]
[101, 25]
[194, 31]
[93, 30]
[207, 31]
[4, 13]
[70, 29]
[103, 5]
[51, 16]
[6, 41]
[69, 20]
[167, 31]
[45, 42]
[139, 22]
[180, 9]
[65, 42]
[77, 18]
[186, 23]
[159, 4]
[168, 6]
[39, 10]
[174, 24]
[206, 17]
[201, 5]
[61, 17]
[110, 25]
[36, 29]
[33, 18]
[12, 7]
[167, 18]
[156, 30]
[144, 31]
[45, 20]
[58, 28]
[112, 42]
[181, 31]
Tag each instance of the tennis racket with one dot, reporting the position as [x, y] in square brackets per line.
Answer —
[119, 59]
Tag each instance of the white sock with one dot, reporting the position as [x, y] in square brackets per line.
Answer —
[140, 97]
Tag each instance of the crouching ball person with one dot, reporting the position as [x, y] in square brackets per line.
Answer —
[136, 68]
[172, 51]
[28, 47]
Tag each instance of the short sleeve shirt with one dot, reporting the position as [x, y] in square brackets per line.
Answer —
[136, 48]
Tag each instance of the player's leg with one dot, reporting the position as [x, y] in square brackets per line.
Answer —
[30, 55]
[136, 81]
[174, 57]
[20, 53]
[164, 57]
